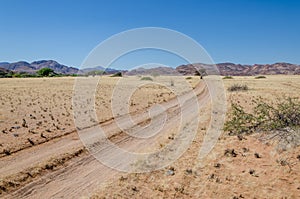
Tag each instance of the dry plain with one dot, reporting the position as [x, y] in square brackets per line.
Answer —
[42, 155]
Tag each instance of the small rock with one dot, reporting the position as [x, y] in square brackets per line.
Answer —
[252, 172]
[16, 135]
[134, 188]
[6, 152]
[240, 137]
[245, 150]
[257, 155]
[30, 141]
[217, 165]
[189, 171]
[230, 152]
[170, 171]
[298, 157]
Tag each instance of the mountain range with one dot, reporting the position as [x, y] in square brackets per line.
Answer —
[226, 69]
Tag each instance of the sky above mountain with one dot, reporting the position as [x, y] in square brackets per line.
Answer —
[240, 31]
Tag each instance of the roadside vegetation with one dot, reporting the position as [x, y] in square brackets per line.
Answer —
[48, 72]
[279, 120]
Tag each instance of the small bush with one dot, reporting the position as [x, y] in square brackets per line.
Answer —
[238, 87]
[172, 82]
[118, 74]
[45, 72]
[188, 78]
[147, 79]
[227, 77]
[260, 77]
[280, 116]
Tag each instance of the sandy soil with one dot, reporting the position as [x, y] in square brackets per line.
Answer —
[36, 110]
[247, 168]
[236, 168]
[25, 162]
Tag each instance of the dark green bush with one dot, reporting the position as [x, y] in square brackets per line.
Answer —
[44, 72]
[118, 74]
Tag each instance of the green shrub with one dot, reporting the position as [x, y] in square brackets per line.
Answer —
[44, 72]
[227, 77]
[238, 87]
[118, 74]
[188, 78]
[147, 78]
[260, 77]
[283, 114]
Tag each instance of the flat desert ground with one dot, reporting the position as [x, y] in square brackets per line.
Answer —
[42, 155]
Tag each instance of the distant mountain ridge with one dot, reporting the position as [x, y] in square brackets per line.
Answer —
[259, 69]
[226, 69]
[23, 66]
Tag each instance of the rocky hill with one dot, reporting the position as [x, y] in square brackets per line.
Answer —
[23, 66]
[98, 68]
[227, 69]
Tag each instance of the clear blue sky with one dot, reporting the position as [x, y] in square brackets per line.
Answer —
[240, 31]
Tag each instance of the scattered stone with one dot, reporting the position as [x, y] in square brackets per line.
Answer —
[257, 155]
[217, 165]
[240, 137]
[171, 138]
[16, 135]
[253, 173]
[298, 157]
[212, 176]
[30, 141]
[15, 127]
[24, 124]
[122, 178]
[245, 150]
[170, 171]
[6, 152]
[134, 188]
[189, 171]
[230, 152]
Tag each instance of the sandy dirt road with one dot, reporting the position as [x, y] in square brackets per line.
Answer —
[85, 174]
